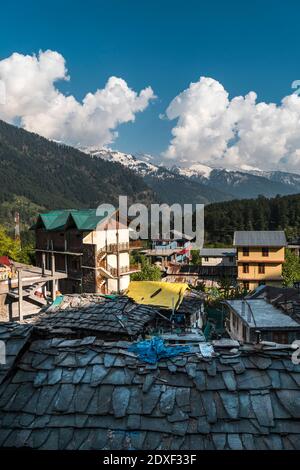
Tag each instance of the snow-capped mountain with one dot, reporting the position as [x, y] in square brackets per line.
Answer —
[201, 183]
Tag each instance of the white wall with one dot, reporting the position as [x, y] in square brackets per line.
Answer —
[221, 261]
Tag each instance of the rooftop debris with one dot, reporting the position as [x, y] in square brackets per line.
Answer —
[154, 349]
[156, 293]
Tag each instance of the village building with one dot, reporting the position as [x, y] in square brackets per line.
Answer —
[260, 256]
[92, 250]
[255, 320]
[25, 289]
[218, 256]
[174, 249]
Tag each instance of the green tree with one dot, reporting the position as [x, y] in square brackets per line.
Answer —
[291, 269]
[12, 248]
[196, 259]
[149, 272]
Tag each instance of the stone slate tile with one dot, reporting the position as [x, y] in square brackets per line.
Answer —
[52, 441]
[211, 368]
[83, 394]
[231, 403]
[246, 410]
[149, 380]
[64, 397]
[215, 382]
[134, 421]
[183, 398]
[120, 400]
[135, 401]
[234, 442]
[109, 360]
[248, 442]
[67, 375]
[229, 380]
[98, 373]
[210, 407]
[197, 408]
[290, 400]
[295, 441]
[78, 375]
[239, 367]
[278, 410]
[203, 426]
[21, 397]
[150, 399]
[262, 407]
[253, 379]
[191, 369]
[296, 377]
[116, 376]
[200, 381]
[85, 358]
[167, 401]
[180, 428]
[22, 376]
[287, 381]
[275, 378]
[260, 361]
[273, 442]
[65, 437]
[177, 443]
[151, 441]
[219, 441]
[54, 376]
[39, 437]
[137, 440]
[177, 415]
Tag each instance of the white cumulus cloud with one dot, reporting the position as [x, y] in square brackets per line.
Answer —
[240, 132]
[34, 101]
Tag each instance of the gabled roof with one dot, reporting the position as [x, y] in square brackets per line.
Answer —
[259, 238]
[217, 252]
[84, 393]
[84, 219]
[262, 314]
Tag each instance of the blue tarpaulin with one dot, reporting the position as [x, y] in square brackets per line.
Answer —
[154, 349]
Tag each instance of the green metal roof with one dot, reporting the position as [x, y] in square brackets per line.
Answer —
[84, 219]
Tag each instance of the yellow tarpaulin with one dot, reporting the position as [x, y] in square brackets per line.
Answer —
[156, 293]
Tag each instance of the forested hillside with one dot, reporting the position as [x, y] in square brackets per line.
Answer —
[279, 213]
[37, 174]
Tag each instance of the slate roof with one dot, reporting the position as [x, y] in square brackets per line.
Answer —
[88, 313]
[259, 238]
[88, 394]
[217, 252]
[263, 315]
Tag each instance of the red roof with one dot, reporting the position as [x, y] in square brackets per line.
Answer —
[5, 261]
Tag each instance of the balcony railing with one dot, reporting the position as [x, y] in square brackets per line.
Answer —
[122, 270]
[123, 246]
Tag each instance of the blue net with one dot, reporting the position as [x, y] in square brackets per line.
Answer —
[154, 349]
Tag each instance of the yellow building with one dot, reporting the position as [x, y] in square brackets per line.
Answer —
[260, 255]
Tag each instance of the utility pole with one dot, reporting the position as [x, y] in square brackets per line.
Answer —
[53, 276]
[118, 260]
[17, 226]
[20, 292]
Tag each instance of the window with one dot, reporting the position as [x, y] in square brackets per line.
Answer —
[230, 259]
[206, 258]
[245, 250]
[265, 251]
[245, 332]
[246, 268]
[261, 269]
[233, 320]
[246, 285]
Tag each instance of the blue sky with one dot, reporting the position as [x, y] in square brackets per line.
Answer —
[165, 44]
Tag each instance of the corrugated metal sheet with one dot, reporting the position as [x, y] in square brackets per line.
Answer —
[259, 238]
[85, 219]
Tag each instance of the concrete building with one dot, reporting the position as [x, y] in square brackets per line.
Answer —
[218, 256]
[255, 320]
[260, 255]
[92, 250]
[165, 251]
